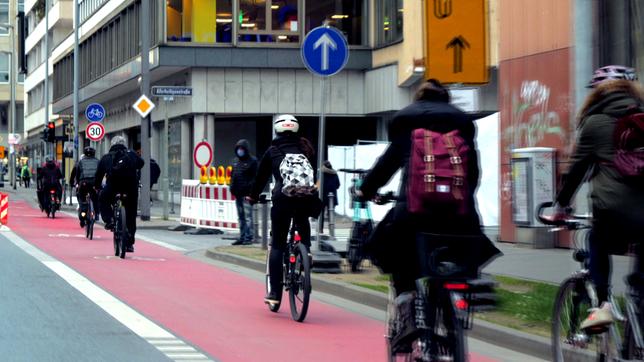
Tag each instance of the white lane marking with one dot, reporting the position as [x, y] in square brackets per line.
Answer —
[176, 349]
[123, 313]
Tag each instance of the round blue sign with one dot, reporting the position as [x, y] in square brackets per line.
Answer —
[95, 112]
[325, 51]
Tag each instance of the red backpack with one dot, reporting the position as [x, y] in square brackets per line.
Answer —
[629, 147]
[437, 176]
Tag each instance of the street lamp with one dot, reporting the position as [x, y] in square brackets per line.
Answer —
[12, 108]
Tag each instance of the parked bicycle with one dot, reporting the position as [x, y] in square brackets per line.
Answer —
[297, 274]
[362, 223]
[121, 235]
[622, 341]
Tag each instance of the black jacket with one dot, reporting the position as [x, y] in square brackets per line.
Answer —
[331, 184]
[105, 165]
[51, 174]
[244, 170]
[270, 164]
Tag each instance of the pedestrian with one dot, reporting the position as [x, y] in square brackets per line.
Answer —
[155, 173]
[244, 170]
[25, 175]
[330, 185]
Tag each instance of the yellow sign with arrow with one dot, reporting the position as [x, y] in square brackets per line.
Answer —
[456, 41]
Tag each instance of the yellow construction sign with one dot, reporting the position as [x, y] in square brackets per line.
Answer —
[456, 41]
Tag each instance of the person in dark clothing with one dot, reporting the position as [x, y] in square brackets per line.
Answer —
[51, 177]
[331, 185]
[83, 177]
[244, 170]
[431, 111]
[155, 173]
[617, 205]
[128, 186]
[285, 208]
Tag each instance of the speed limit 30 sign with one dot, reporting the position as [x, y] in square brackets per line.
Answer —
[95, 131]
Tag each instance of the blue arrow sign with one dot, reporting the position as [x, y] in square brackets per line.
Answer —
[95, 112]
[325, 51]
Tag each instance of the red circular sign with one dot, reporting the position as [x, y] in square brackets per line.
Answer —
[202, 154]
[95, 131]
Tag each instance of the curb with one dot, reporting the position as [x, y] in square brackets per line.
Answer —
[505, 337]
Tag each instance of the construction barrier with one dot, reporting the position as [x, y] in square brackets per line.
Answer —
[208, 206]
[4, 208]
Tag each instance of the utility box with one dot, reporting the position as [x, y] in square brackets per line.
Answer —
[533, 183]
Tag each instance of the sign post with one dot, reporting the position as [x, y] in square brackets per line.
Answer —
[324, 52]
[456, 41]
[167, 93]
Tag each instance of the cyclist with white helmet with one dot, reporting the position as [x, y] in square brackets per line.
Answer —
[617, 203]
[287, 146]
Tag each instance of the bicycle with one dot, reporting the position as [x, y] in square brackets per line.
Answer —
[577, 295]
[53, 206]
[90, 217]
[444, 303]
[362, 226]
[297, 274]
[121, 235]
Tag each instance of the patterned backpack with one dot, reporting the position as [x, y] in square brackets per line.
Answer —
[297, 175]
[629, 147]
[437, 176]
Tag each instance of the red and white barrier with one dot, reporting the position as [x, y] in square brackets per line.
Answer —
[4, 208]
[208, 206]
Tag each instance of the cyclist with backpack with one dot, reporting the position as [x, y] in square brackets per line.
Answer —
[84, 177]
[120, 168]
[610, 146]
[50, 180]
[295, 198]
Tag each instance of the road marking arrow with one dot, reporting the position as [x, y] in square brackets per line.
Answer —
[325, 42]
[458, 43]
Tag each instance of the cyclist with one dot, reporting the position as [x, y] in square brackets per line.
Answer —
[51, 177]
[617, 205]
[119, 167]
[83, 177]
[396, 243]
[286, 206]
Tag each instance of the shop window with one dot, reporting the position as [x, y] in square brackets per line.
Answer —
[389, 21]
[346, 15]
[199, 21]
[4, 16]
[269, 21]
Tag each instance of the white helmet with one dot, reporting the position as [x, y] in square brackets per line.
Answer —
[286, 123]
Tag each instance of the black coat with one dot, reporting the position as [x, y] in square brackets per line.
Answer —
[105, 165]
[244, 170]
[438, 117]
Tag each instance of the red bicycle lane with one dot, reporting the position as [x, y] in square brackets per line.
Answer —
[217, 310]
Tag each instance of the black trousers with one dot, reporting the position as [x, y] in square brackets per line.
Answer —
[284, 211]
[106, 200]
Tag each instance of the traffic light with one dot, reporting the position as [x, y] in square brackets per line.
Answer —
[51, 132]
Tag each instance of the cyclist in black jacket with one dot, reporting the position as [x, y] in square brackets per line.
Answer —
[83, 177]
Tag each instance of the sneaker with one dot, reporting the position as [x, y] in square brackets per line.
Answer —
[82, 223]
[272, 297]
[599, 318]
[405, 323]
[109, 226]
[130, 249]
[238, 242]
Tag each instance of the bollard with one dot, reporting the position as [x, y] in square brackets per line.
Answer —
[331, 216]
[256, 222]
[265, 226]
[172, 197]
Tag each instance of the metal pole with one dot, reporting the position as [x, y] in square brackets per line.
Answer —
[76, 77]
[331, 216]
[321, 132]
[265, 225]
[255, 211]
[172, 197]
[145, 122]
[12, 125]
[164, 160]
[48, 148]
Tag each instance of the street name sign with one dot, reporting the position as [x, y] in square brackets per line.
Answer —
[325, 51]
[457, 41]
[95, 131]
[94, 112]
[171, 91]
[143, 106]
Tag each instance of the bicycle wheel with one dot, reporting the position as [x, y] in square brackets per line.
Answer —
[448, 338]
[122, 230]
[89, 222]
[299, 278]
[569, 342]
[354, 258]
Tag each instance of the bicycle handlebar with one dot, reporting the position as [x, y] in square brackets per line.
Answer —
[570, 222]
[358, 171]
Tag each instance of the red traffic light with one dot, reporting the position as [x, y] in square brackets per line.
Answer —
[51, 125]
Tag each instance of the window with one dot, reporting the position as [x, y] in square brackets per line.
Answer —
[35, 98]
[269, 21]
[389, 21]
[199, 21]
[346, 15]
[4, 67]
[4, 16]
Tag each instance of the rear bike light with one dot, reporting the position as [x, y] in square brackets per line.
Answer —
[291, 259]
[456, 286]
[461, 304]
[297, 237]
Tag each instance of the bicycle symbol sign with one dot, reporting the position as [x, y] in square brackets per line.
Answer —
[95, 112]
[95, 131]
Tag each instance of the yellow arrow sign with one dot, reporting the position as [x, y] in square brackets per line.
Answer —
[456, 41]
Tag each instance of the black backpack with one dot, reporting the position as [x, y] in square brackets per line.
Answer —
[123, 166]
[87, 172]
